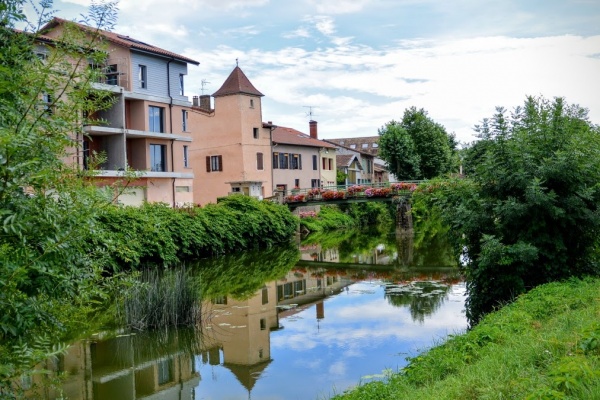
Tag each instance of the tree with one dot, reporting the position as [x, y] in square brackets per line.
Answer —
[47, 208]
[423, 149]
[398, 150]
[530, 212]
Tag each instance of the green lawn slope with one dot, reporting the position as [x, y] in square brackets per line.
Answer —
[545, 345]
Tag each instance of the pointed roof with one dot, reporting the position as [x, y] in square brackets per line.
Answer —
[121, 40]
[237, 83]
[345, 160]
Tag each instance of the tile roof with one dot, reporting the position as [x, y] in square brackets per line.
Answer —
[366, 144]
[237, 82]
[122, 40]
[284, 135]
[345, 160]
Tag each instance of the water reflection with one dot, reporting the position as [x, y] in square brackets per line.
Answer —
[282, 324]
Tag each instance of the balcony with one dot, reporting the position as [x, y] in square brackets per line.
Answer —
[98, 130]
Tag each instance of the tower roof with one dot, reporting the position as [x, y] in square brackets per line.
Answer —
[237, 83]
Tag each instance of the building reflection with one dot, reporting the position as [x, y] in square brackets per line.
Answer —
[235, 334]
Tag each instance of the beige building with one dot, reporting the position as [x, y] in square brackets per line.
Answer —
[231, 148]
[300, 160]
[147, 127]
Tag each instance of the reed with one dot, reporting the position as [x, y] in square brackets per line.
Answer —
[162, 299]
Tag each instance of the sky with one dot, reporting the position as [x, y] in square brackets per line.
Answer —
[354, 65]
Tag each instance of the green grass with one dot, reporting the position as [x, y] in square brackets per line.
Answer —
[546, 345]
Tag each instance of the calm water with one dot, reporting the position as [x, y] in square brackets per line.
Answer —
[302, 325]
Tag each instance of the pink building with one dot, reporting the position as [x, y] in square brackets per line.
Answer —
[146, 129]
[231, 148]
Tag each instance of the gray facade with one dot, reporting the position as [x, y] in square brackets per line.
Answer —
[156, 75]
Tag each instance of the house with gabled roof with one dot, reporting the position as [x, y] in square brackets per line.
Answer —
[146, 129]
[352, 168]
[231, 148]
[366, 172]
[368, 149]
[301, 160]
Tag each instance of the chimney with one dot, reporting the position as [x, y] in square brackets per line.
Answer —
[195, 101]
[205, 102]
[313, 129]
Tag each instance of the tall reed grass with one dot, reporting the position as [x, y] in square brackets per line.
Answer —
[162, 299]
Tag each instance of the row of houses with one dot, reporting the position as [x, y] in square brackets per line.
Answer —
[193, 152]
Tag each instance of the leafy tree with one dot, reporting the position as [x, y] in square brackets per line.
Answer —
[417, 147]
[48, 276]
[530, 213]
[398, 150]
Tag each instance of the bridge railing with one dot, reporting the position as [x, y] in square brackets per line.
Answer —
[364, 190]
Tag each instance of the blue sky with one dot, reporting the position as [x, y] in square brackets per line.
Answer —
[361, 63]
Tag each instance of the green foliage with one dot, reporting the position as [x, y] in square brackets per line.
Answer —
[529, 349]
[156, 235]
[529, 213]
[241, 275]
[397, 148]
[417, 147]
[377, 214]
[329, 218]
[340, 177]
[161, 300]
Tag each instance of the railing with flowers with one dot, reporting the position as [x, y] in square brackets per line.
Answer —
[367, 190]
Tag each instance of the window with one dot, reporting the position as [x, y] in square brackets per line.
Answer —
[297, 183]
[181, 91]
[186, 163]
[294, 159]
[182, 189]
[111, 75]
[259, 161]
[283, 160]
[352, 146]
[315, 162]
[314, 183]
[255, 133]
[365, 145]
[156, 119]
[184, 120]
[220, 300]
[375, 145]
[265, 295]
[214, 163]
[275, 160]
[157, 157]
[330, 163]
[142, 76]
[47, 102]
[251, 103]
[263, 324]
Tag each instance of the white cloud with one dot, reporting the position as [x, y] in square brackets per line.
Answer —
[339, 6]
[359, 88]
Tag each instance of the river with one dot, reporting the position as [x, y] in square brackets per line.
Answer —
[302, 322]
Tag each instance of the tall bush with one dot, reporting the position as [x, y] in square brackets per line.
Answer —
[530, 213]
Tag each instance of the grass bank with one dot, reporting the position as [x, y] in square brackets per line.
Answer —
[545, 345]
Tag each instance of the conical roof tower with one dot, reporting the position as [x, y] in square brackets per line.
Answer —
[237, 83]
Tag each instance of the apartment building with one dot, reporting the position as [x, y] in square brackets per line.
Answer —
[301, 160]
[231, 148]
[147, 128]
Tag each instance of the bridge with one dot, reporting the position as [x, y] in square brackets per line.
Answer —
[344, 194]
[397, 192]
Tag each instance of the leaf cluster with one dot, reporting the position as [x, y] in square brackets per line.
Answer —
[529, 212]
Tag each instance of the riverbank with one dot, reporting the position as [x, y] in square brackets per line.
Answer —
[545, 345]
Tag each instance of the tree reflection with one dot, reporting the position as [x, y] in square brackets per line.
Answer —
[423, 298]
